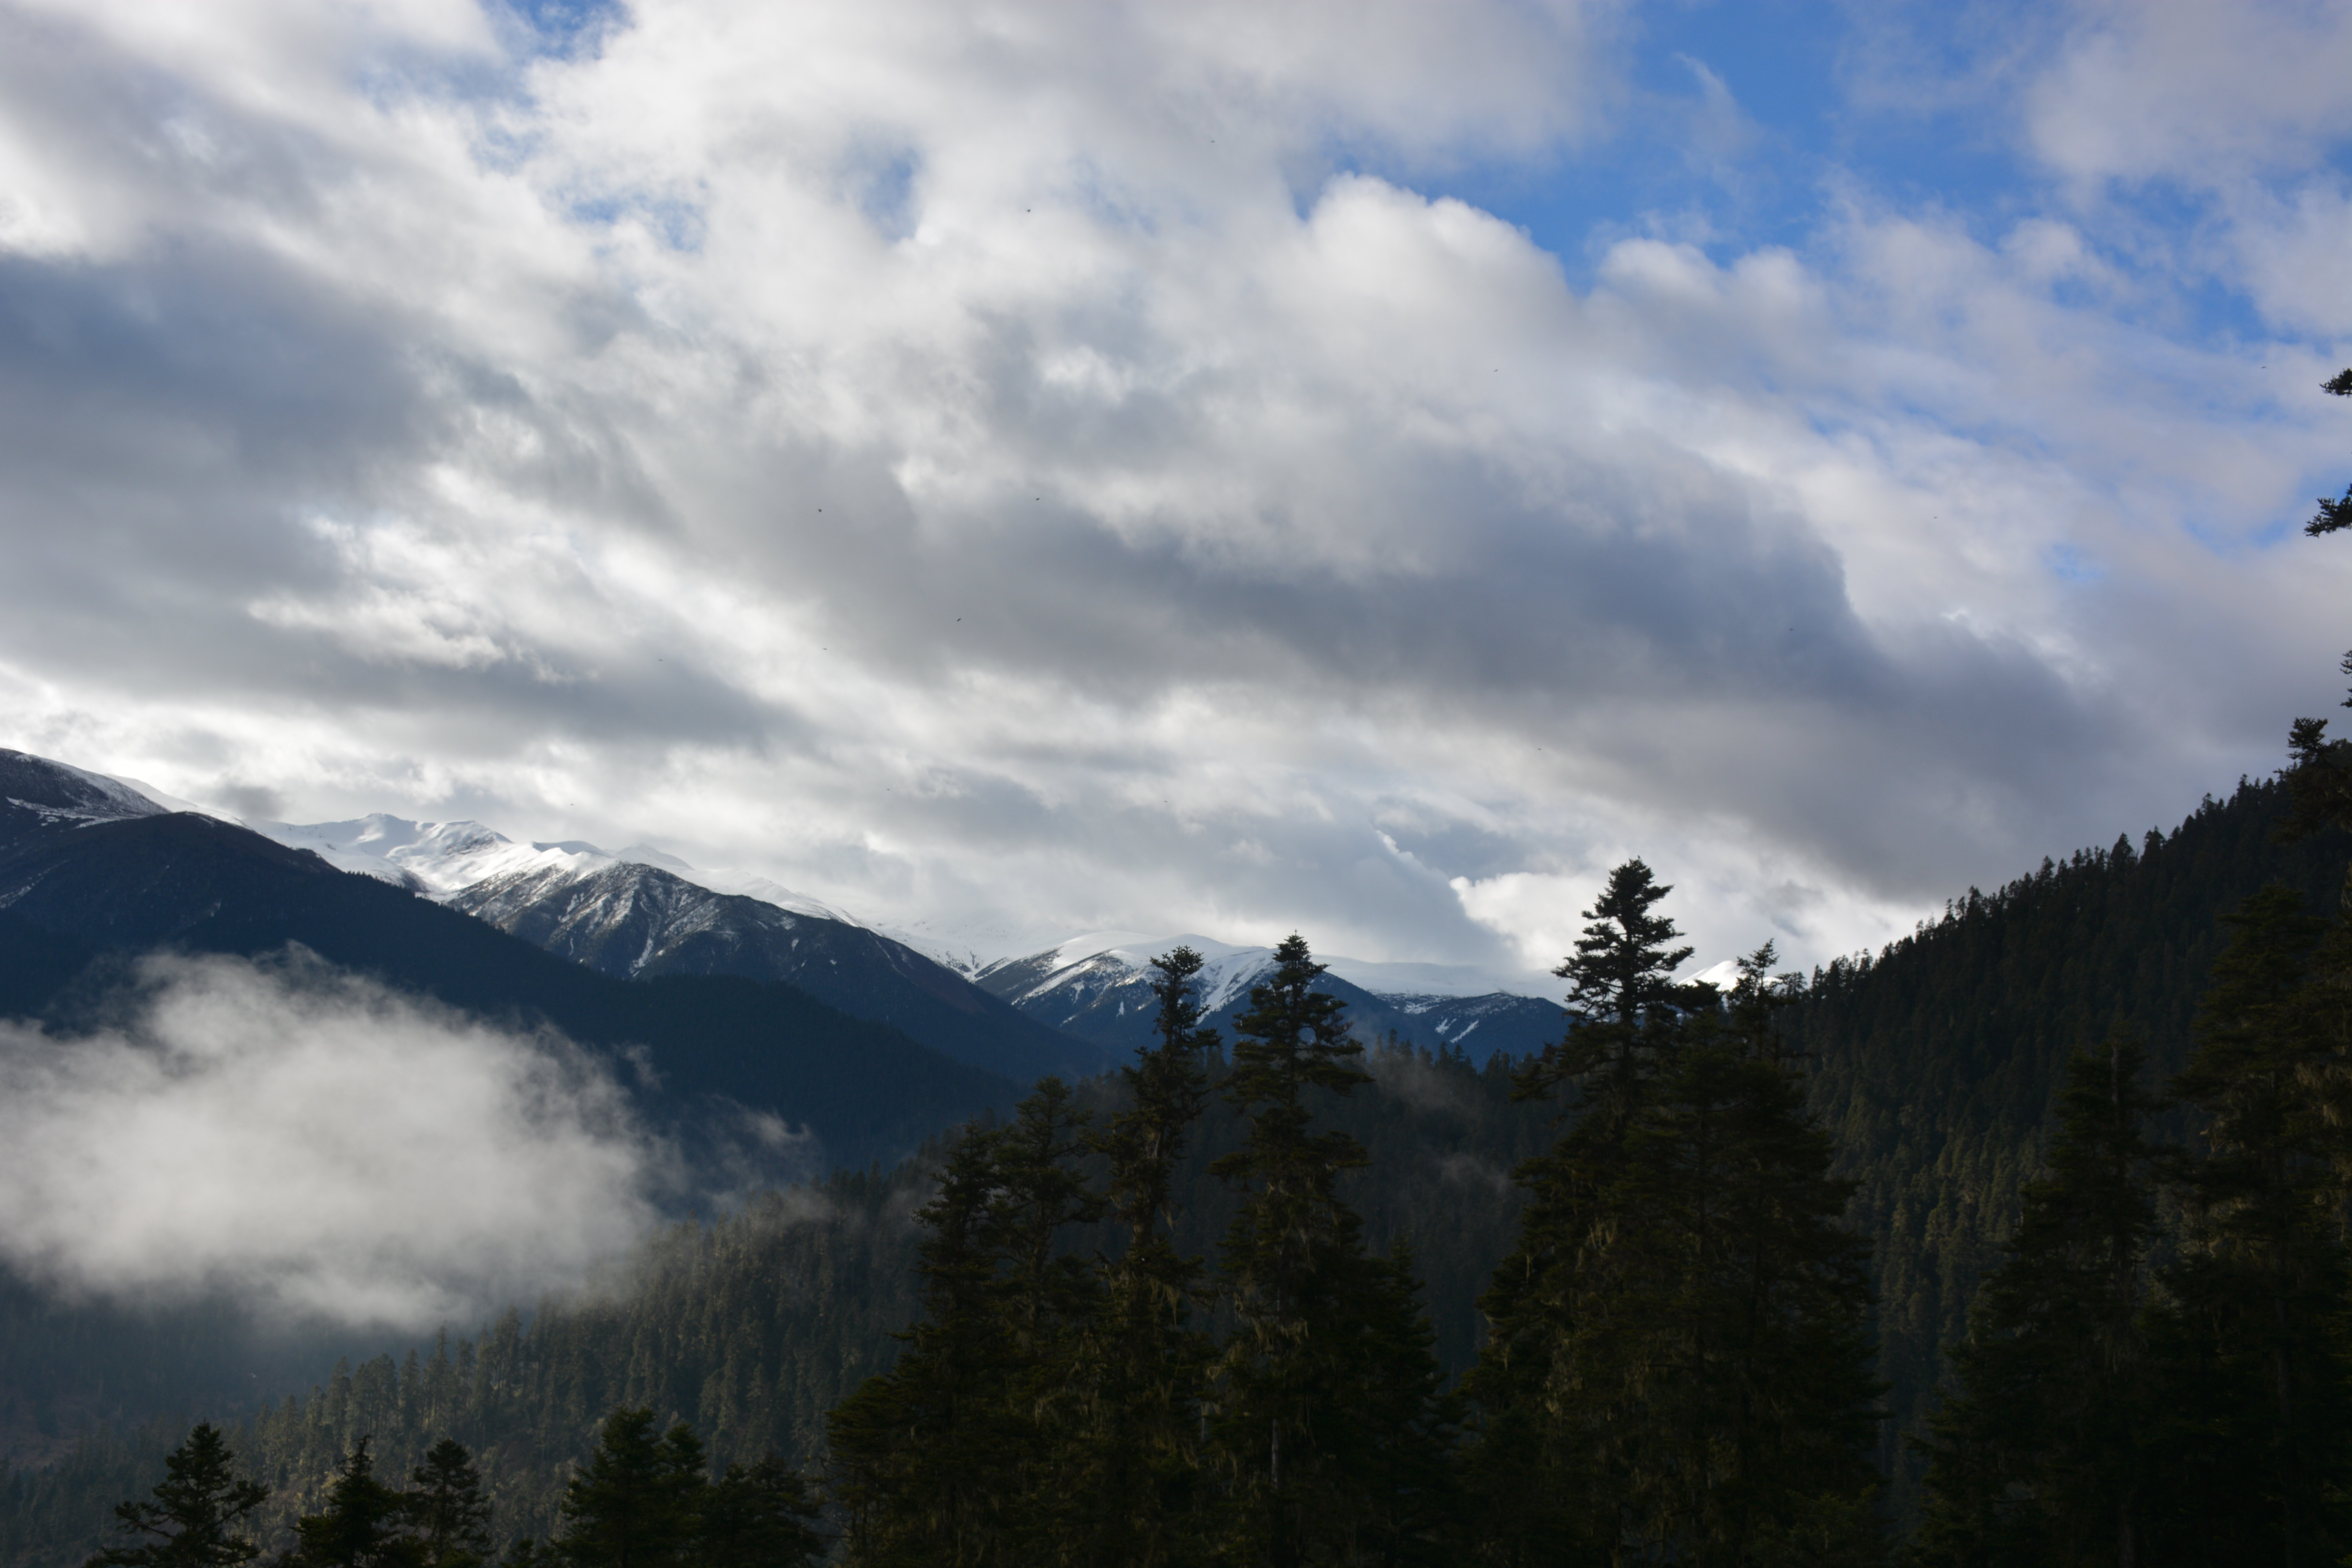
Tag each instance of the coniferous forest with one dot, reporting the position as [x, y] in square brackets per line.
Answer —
[2020, 1241]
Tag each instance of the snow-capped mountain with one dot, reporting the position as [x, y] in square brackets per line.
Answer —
[1098, 987]
[637, 920]
[36, 794]
[638, 912]
[443, 859]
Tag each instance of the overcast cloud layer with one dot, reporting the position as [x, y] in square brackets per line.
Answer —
[313, 1146]
[1023, 468]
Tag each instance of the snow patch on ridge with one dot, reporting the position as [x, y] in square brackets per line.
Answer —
[443, 859]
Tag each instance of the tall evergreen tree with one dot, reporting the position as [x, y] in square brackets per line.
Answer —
[759, 1516]
[199, 1514]
[962, 1453]
[1545, 1493]
[1135, 1487]
[2041, 1456]
[636, 1503]
[1741, 1354]
[1048, 1297]
[446, 1508]
[924, 1456]
[2252, 1328]
[1678, 1364]
[1404, 1423]
[1293, 1397]
[361, 1525]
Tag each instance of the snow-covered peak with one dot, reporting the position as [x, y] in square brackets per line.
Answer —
[1112, 957]
[442, 859]
[761, 887]
[61, 795]
[1230, 969]
[439, 858]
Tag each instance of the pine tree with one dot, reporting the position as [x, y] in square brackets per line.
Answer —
[1545, 1491]
[1134, 1490]
[1285, 1266]
[361, 1525]
[760, 1517]
[199, 1514]
[1741, 1355]
[2041, 1456]
[637, 1502]
[923, 1455]
[1404, 1424]
[960, 1454]
[446, 1510]
[1047, 1298]
[1327, 1420]
[1678, 1361]
[2251, 1332]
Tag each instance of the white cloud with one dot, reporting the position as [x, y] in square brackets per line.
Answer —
[993, 467]
[2191, 91]
[313, 1146]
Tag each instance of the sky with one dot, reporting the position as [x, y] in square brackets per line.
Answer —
[1016, 470]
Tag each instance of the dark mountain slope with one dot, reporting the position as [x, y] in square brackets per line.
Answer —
[753, 1325]
[190, 882]
[37, 796]
[1936, 1063]
[633, 921]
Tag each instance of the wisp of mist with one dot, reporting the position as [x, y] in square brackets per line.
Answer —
[315, 1145]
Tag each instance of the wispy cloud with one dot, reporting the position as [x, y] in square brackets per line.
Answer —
[313, 1146]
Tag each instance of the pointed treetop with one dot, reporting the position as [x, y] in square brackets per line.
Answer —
[1623, 965]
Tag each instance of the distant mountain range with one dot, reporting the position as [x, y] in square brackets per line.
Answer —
[1099, 988]
[92, 871]
[640, 914]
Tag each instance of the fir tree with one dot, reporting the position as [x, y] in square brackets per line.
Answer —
[1134, 1488]
[1545, 1492]
[1404, 1424]
[760, 1517]
[361, 1525]
[2041, 1455]
[636, 1503]
[1047, 1299]
[1679, 1366]
[446, 1510]
[926, 1457]
[1740, 1357]
[1288, 1264]
[199, 1513]
[1327, 1425]
[2252, 1332]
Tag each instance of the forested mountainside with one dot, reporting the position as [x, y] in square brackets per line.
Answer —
[1933, 1065]
[1937, 1062]
[755, 1325]
[76, 905]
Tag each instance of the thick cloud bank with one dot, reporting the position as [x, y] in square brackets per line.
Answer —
[311, 1145]
[1049, 468]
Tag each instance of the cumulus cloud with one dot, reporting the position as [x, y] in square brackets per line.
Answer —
[1045, 469]
[313, 1146]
